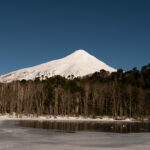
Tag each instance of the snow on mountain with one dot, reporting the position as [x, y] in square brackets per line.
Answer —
[79, 63]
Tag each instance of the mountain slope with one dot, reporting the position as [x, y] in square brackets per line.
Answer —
[79, 63]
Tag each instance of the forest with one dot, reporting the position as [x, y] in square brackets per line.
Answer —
[118, 94]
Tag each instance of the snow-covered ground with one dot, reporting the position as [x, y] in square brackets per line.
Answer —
[58, 118]
[20, 138]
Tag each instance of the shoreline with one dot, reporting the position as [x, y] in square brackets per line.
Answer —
[66, 118]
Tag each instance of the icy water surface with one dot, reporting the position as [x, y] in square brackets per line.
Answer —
[74, 126]
[33, 135]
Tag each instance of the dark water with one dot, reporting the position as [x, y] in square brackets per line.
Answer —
[72, 127]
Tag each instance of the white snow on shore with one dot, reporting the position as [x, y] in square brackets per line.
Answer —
[60, 118]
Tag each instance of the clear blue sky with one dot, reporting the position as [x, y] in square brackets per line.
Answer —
[36, 31]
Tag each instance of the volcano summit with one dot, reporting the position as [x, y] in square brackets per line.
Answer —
[79, 63]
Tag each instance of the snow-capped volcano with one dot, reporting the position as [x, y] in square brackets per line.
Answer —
[79, 63]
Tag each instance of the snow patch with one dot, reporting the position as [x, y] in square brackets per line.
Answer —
[14, 116]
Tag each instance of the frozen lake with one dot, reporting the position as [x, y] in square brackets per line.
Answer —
[30, 135]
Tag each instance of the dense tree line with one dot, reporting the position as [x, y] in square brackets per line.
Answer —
[124, 94]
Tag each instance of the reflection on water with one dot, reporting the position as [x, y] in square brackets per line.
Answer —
[66, 126]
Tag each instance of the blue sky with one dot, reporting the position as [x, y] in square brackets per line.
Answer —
[36, 31]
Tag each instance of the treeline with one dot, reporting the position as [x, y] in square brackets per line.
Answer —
[123, 94]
